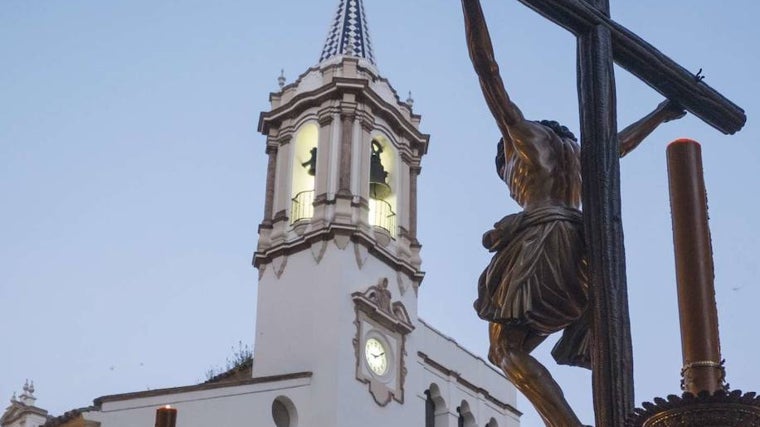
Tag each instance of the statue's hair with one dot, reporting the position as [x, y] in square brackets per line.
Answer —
[561, 131]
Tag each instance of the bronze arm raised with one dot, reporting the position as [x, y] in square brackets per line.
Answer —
[632, 136]
[512, 124]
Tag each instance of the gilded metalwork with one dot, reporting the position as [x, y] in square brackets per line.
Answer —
[721, 409]
[690, 380]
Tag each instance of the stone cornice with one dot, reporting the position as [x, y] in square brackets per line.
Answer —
[376, 303]
[17, 410]
[467, 384]
[306, 240]
[335, 90]
[331, 68]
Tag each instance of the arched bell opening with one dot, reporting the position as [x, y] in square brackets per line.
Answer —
[304, 169]
[382, 184]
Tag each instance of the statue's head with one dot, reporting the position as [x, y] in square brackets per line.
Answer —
[561, 131]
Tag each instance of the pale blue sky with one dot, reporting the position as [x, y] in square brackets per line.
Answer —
[132, 177]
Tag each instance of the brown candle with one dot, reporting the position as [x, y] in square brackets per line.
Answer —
[702, 370]
[166, 416]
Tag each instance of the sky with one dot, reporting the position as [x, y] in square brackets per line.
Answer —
[132, 178]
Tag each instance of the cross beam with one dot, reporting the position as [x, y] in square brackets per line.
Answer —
[600, 41]
[647, 63]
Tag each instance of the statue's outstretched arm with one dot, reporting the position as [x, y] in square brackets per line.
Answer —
[632, 136]
[508, 117]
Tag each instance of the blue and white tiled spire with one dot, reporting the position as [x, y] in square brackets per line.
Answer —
[349, 34]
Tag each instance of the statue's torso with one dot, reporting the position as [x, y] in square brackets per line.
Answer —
[552, 178]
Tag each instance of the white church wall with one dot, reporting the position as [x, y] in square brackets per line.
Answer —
[460, 376]
[242, 405]
[316, 332]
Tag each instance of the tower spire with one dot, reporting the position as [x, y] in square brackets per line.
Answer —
[349, 35]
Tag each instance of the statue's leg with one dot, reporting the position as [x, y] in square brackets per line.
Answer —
[511, 351]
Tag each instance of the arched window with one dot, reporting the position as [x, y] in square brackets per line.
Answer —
[436, 411]
[466, 419]
[304, 171]
[429, 409]
[492, 423]
[284, 412]
[382, 184]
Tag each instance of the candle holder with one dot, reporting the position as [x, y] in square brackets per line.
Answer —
[720, 409]
[706, 401]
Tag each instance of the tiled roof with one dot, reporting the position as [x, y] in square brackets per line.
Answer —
[68, 416]
[349, 34]
[241, 371]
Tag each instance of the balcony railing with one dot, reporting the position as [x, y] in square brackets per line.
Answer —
[302, 206]
[381, 215]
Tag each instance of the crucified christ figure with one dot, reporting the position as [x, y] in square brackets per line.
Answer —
[536, 283]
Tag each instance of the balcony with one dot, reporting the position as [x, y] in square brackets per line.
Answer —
[302, 206]
[381, 215]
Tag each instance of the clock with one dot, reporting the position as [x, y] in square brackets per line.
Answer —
[379, 345]
[376, 356]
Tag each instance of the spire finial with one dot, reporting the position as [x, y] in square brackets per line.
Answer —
[349, 34]
[410, 100]
[27, 397]
[281, 79]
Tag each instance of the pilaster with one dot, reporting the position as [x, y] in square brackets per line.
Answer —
[344, 196]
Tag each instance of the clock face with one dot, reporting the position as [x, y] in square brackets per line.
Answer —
[376, 355]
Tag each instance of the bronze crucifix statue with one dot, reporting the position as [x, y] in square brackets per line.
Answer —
[536, 283]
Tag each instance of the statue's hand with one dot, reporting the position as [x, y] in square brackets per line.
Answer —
[671, 110]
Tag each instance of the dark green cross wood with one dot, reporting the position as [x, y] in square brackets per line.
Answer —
[601, 42]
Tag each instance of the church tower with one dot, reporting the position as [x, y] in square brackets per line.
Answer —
[338, 340]
[338, 255]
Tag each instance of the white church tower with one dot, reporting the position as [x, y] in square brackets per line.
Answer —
[338, 256]
[340, 213]
[338, 340]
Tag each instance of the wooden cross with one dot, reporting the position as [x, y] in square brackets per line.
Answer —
[600, 42]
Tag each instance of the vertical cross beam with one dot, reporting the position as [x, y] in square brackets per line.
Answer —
[612, 357]
[600, 41]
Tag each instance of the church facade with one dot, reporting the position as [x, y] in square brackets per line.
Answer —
[338, 339]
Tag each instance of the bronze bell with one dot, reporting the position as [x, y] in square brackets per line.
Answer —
[311, 164]
[378, 188]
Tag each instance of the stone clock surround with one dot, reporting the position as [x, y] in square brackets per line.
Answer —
[379, 318]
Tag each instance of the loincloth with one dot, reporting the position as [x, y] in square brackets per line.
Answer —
[537, 277]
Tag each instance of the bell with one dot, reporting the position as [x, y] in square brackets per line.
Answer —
[378, 188]
[311, 164]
